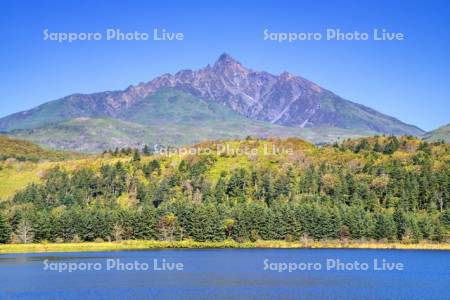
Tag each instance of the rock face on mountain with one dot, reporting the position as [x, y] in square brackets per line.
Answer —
[286, 100]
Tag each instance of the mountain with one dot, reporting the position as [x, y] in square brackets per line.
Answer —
[223, 93]
[440, 134]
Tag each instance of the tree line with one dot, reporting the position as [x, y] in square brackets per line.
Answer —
[380, 197]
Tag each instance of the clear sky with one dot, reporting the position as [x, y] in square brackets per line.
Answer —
[408, 79]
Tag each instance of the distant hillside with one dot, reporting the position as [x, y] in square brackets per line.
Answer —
[439, 134]
[24, 150]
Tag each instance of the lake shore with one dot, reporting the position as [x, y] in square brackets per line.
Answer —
[189, 244]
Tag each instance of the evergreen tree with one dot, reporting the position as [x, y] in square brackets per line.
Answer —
[401, 223]
[136, 156]
[377, 147]
[384, 226]
[146, 150]
[220, 190]
[391, 146]
[5, 229]
[207, 224]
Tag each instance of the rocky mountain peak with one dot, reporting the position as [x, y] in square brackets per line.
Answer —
[228, 64]
[286, 75]
[226, 58]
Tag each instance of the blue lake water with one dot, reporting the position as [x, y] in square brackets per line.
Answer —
[227, 274]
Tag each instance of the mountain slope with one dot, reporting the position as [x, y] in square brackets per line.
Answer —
[285, 100]
[97, 134]
[440, 134]
[73, 106]
[171, 106]
[225, 100]
[24, 150]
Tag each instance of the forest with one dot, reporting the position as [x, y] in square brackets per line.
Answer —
[381, 188]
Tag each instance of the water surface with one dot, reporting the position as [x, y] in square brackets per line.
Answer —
[227, 274]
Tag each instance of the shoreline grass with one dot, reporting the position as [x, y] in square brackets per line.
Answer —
[189, 244]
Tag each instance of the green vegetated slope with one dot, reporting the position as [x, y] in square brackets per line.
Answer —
[168, 117]
[25, 150]
[377, 188]
[18, 163]
[349, 115]
[175, 106]
[51, 112]
[439, 134]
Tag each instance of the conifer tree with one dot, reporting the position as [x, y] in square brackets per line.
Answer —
[5, 229]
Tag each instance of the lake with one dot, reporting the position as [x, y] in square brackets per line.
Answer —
[228, 274]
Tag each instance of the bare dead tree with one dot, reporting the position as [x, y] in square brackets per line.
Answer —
[25, 232]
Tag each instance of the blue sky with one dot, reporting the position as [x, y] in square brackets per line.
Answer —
[408, 79]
